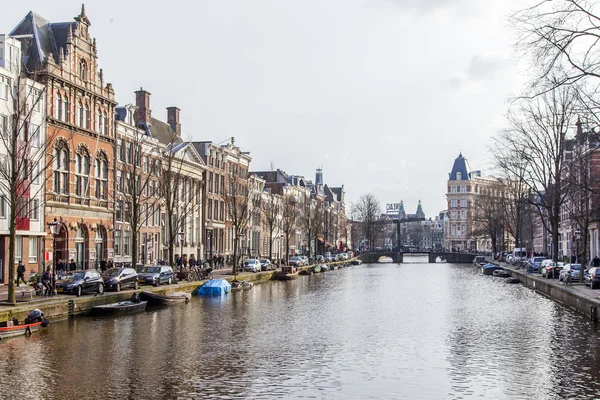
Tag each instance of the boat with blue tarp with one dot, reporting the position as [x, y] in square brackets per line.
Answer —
[215, 287]
[488, 269]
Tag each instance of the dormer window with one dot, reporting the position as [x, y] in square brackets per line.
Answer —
[458, 176]
[83, 70]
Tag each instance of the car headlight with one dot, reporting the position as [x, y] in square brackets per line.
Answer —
[70, 286]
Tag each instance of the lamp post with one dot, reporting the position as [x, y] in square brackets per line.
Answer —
[577, 260]
[181, 247]
[54, 230]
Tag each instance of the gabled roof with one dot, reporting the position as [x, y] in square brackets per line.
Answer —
[184, 149]
[460, 165]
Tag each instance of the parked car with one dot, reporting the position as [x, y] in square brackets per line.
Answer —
[551, 269]
[252, 265]
[592, 279]
[304, 260]
[350, 254]
[155, 275]
[120, 278]
[328, 258]
[536, 263]
[573, 269]
[345, 256]
[296, 262]
[319, 258]
[81, 282]
[265, 264]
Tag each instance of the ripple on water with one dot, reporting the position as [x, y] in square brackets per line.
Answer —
[412, 331]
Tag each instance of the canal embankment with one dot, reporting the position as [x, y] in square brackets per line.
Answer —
[68, 306]
[577, 296]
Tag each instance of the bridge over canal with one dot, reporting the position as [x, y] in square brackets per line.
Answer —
[398, 257]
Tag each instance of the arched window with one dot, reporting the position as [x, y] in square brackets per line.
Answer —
[82, 174]
[80, 114]
[83, 70]
[59, 106]
[60, 166]
[86, 117]
[101, 175]
[458, 176]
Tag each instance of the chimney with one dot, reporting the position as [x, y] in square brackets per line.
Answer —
[143, 114]
[173, 119]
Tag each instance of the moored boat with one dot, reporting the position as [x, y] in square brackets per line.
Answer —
[306, 272]
[356, 262]
[120, 308]
[385, 260]
[500, 273]
[324, 268]
[488, 269]
[512, 280]
[316, 269]
[34, 321]
[155, 299]
[287, 274]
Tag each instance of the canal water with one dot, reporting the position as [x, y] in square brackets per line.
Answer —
[410, 331]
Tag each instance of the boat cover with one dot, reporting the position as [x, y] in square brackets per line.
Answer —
[215, 287]
[490, 265]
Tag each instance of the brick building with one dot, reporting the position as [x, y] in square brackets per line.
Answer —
[80, 115]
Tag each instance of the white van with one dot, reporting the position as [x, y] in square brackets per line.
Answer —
[520, 253]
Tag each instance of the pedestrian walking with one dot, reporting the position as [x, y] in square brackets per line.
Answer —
[72, 265]
[596, 261]
[60, 267]
[103, 266]
[47, 282]
[21, 272]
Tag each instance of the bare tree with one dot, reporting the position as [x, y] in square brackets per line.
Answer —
[367, 211]
[489, 214]
[289, 214]
[24, 160]
[241, 207]
[311, 221]
[561, 37]
[181, 198]
[271, 210]
[137, 184]
[538, 135]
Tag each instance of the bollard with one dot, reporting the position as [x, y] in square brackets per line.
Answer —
[593, 312]
[71, 309]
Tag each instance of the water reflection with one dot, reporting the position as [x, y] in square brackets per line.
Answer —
[375, 331]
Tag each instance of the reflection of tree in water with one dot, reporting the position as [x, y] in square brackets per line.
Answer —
[505, 341]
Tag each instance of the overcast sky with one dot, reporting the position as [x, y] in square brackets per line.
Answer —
[383, 94]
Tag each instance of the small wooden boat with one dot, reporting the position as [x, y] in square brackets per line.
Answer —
[120, 308]
[324, 268]
[32, 323]
[155, 299]
[316, 269]
[488, 269]
[356, 262]
[306, 272]
[334, 267]
[385, 260]
[237, 286]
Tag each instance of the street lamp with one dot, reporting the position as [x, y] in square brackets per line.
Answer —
[54, 230]
[577, 238]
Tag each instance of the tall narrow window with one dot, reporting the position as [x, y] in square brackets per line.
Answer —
[104, 124]
[83, 74]
[61, 171]
[80, 115]
[101, 179]
[65, 116]
[59, 107]
[86, 117]
[82, 174]
[100, 126]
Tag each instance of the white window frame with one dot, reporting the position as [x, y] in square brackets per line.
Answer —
[34, 209]
[453, 189]
[33, 248]
[454, 203]
[463, 189]
[463, 203]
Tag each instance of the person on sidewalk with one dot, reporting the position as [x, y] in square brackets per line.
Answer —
[60, 267]
[47, 282]
[596, 261]
[72, 265]
[21, 272]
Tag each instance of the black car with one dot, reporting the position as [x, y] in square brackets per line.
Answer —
[156, 275]
[81, 282]
[120, 278]
[265, 264]
[592, 279]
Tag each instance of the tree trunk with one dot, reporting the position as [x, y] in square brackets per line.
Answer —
[271, 246]
[235, 246]
[133, 247]
[554, 225]
[287, 249]
[12, 294]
